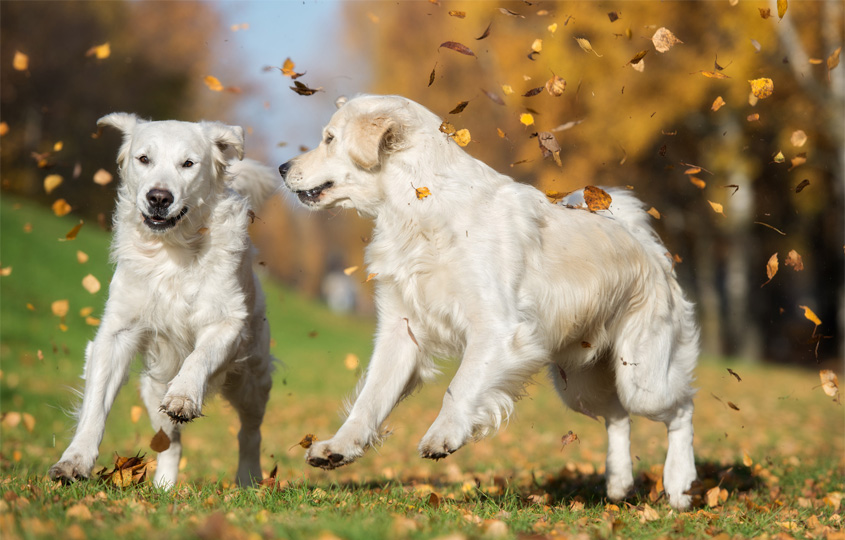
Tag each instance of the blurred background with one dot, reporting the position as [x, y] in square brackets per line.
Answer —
[681, 126]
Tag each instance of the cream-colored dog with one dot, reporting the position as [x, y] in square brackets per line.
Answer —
[183, 292]
[487, 270]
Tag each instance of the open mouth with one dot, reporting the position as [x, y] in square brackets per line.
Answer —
[158, 223]
[313, 195]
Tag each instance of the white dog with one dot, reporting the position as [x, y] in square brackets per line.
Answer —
[480, 267]
[183, 292]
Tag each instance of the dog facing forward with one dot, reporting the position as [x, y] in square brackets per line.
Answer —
[183, 291]
[487, 270]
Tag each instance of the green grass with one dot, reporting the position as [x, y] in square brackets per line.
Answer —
[519, 482]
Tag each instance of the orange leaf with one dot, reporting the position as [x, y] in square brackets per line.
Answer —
[61, 208]
[717, 104]
[596, 198]
[160, 441]
[717, 208]
[810, 316]
[20, 61]
[213, 83]
[762, 88]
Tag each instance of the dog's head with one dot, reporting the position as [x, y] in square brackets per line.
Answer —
[364, 136]
[168, 168]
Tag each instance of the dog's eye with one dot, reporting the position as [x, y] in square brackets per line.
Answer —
[188, 164]
[329, 138]
[144, 159]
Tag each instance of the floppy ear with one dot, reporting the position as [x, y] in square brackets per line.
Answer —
[228, 139]
[372, 137]
[125, 122]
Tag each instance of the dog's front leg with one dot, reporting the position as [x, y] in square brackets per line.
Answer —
[392, 374]
[185, 393]
[107, 360]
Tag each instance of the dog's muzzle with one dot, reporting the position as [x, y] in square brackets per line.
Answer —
[158, 204]
[313, 195]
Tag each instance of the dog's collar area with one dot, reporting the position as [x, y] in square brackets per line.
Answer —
[157, 223]
[313, 194]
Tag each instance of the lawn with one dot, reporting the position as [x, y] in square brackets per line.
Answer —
[770, 445]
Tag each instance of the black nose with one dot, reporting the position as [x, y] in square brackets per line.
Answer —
[284, 168]
[159, 198]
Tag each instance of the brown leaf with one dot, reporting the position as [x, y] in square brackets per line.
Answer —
[830, 382]
[458, 14]
[596, 198]
[771, 268]
[664, 40]
[637, 58]
[160, 441]
[304, 90]
[549, 146]
[800, 187]
[653, 212]
[411, 332]
[486, 32]
[61, 208]
[800, 159]
[732, 372]
[447, 128]
[533, 92]
[833, 59]
[431, 77]
[793, 259]
[495, 98]
[697, 182]
[765, 13]
[613, 16]
[555, 86]
[732, 406]
[459, 108]
[568, 439]
[71, 234]
[457, 47]
[717, 207]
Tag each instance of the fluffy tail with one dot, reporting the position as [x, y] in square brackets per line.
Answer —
[254, 180]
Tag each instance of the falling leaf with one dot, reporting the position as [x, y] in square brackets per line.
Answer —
[810, 316]
[733, 406]
[567, 125]
[765, 13]
[510, 13]
[410, 332]
[734, 373]
[431, 76]
[833, 59]
[307, 441]
[370, 277]
[495, 98]
[526, 119]
[213, 83]
[800, 159]
[664, 40]
[771, 268]
[717, 208]
[459, 108]
[501, 134]
[555, 86]
[6, 271]
[533, 92]
[160, 441]
[637, 58]
[135, 413]
[51, 182]
[4, 129]
[639, 67]
[793, 259]
[457, 47]
[568, 439]
[537, 45]
[781, 8]
[654, 213]
[350, 270]
[60, 308]
[458, 14]
[447, 128]
[91, 284]
[613, 16]
[753, 117]
[71, 235]
[87, 310]
[596, 198]
[101, 52]
[304, 90]
[20, 62]
[586, 46]
[351, 362]
[746, 459]
[714, 75]
[29, 421]
[549, 146]
[830, 382]
[102, 177]
[58, 146]
[462, 137]
[287, 69]
[762, 88]
[485, 33]
[711, 498]
[81, 257]
[779, 158]
[717, 104]
[800, 187]
[422, 192]
[552, 28]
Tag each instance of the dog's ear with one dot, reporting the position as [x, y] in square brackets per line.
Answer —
[125, 122]
[372, 137]
[228, 139]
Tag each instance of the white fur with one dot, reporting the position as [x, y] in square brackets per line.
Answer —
[487, 270]
[185, 296]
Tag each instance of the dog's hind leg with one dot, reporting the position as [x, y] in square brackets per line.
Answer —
[591, 392]
[248, 391]
[167, 466]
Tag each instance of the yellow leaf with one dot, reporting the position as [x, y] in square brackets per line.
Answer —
[102, 177]
[714, 74]
[746, 459]
[447, 128]
[506, 88]
[58, 146]
[552, 28]
[87, 310]
[81, 257]
[596, 198]
[654, 213]
[6, 271]
[351, 361]
[717, 104]
[20, 61]
[779, 157]
[213, 83]
[500, 133]
[830, 382]
[422, 192]
[762, 88]
[526, 119]
[100, 51]
[91, 284]
[51, 182]
[92, 321]
[698, 182]
[833, 59]
[537, 45]
[350, 270]
[462, 137]
[771, 267]
[61, 208]
[586, 46]
[371, 276]
[810, 316]
[717, 208]
[782, 4]
[60, 308]
[307, 441]
[287, 68]
[241, 26]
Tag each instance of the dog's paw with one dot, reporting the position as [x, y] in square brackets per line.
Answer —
[443, 438]
[620, 489]
[70, 470]
[180, 409]
[330, 455]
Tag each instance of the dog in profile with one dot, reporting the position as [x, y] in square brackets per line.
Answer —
[482, 268]
[183, 292]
